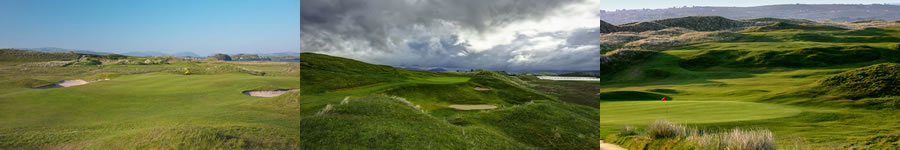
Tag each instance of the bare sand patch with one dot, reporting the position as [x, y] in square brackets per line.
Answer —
[472, 107]
[607, 146]
[268, 93]
[482, 89]
[64, 83]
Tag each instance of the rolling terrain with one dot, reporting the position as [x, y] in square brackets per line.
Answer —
[813, 85]
[143, 103]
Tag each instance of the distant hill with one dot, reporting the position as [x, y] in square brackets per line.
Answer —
[833, 12]
[56, 49]
[280, 54]
[186, 54]
[145, 53]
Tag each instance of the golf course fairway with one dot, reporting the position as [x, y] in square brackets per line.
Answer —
[643, 112]
[152, 110]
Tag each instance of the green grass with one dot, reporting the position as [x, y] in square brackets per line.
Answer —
[363, 115]
[775, 92]
[147, 107]
[384, 123]
[642, 112]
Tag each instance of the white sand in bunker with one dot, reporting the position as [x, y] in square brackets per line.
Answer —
[472, 107]
[268, 93]
[481, 89]
[64, 83]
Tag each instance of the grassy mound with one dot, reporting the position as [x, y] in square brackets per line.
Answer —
[702, 23]
[880, 80]
[804, 57]
[630, 96]
[642, 26]
[544, 124]
[512, 90]
[789, 26]
[770, 21]
[619, 60]
[460, 93]
[14, 55]
[387, 123]
[322, 73]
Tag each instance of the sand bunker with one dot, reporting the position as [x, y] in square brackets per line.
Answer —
[270, 93]
[607, 146]
[472, 107]
[64, 83]
[482, 89]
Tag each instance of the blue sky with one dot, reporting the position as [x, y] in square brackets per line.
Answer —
[169, 26]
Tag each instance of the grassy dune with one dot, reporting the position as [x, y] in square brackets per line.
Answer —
[149, 107]
[408, 109]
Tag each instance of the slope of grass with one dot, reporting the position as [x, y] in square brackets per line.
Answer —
[879, 80]
[702, 23]
[384, 123]
[805, 57]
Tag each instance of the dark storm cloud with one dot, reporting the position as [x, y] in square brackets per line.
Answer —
[427, 33]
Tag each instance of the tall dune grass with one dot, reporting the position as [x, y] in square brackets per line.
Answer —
[734, 139]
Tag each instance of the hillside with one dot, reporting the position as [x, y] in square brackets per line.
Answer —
[832, 12]
[880, 80]
[702, 23]
[387, 106]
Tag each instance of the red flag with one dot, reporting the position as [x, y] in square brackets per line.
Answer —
[664, 99]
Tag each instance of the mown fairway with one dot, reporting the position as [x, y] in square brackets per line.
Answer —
[643, 112]
[158, 107]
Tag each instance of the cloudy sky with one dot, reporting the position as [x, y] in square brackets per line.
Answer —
[501, 34]
[512, 35]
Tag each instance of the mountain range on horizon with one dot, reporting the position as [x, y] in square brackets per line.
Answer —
[150, 53]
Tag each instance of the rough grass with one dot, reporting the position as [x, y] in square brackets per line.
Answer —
[384, 123]
[880, 80]
[663, 134]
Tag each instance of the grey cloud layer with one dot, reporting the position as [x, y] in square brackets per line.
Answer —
[427, 33]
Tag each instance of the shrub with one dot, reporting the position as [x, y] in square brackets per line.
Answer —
[665, 129]
[628, 131]
[662, 134]
[738, 139]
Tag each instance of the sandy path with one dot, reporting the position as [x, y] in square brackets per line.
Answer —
[271, 93]
[607, 146]
[472, 107]
[64, 83]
